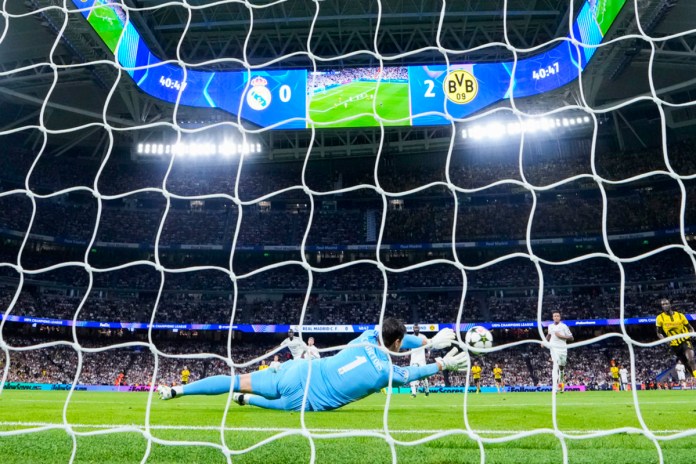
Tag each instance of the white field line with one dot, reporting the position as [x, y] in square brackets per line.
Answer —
[281, 429]
[318, 97]
[336, 91]
[346, 102]
[337, 105]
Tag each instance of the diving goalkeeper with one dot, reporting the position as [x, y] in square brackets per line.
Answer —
[355, 372]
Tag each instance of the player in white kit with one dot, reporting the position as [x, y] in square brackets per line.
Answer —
[295, 344]
[681, 373]
[275, 364]
[623, 374]
[418, 359]
[559, 335]
[312, 351]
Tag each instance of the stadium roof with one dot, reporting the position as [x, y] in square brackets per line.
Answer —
[211, 31]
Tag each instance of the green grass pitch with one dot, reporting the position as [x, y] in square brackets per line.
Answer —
[335, 104]
[425, 430]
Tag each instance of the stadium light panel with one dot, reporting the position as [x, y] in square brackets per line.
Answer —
[225, 149]
[476, 132]
[528, 126]
[199, 149]
[495, 130]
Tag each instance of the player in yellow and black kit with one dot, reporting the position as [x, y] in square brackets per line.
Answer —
[670, 323]
[476, 375]
[614, 370]
[498, 376]
[185, 374]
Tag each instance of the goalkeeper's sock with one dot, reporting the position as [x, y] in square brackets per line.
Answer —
[216, 385]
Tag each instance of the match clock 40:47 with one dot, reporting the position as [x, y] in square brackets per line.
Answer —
[543, 73]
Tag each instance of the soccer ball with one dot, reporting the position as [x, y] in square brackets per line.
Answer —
[478, 337]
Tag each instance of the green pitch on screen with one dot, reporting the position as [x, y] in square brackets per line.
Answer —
[390, 101]
[104, 20]
[607, 10]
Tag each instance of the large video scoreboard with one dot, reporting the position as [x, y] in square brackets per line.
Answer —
[353, 97]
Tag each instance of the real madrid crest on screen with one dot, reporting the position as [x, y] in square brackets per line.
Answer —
[259, 97]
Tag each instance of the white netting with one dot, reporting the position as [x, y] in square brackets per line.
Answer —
[60, 17]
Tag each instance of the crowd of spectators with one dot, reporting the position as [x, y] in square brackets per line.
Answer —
[571, 209]
[58, 364]
[494, 219]
[506, 291]
[321, 80]
[341, 309]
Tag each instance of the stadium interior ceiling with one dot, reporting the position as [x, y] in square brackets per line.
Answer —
[223, 33]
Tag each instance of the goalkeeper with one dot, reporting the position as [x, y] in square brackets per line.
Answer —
[355, 372]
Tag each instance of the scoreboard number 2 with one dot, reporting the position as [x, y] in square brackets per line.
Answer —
[460, 86]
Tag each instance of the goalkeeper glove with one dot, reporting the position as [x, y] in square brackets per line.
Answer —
[443, 339]
[453, 361]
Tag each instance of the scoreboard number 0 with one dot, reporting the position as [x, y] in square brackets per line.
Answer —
[460, 86]
[285, 93]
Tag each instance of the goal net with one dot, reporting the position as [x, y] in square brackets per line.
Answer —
[181, 177]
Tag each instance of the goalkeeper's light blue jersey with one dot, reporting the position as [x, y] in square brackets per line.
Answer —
[353, 373]
[358, 371]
